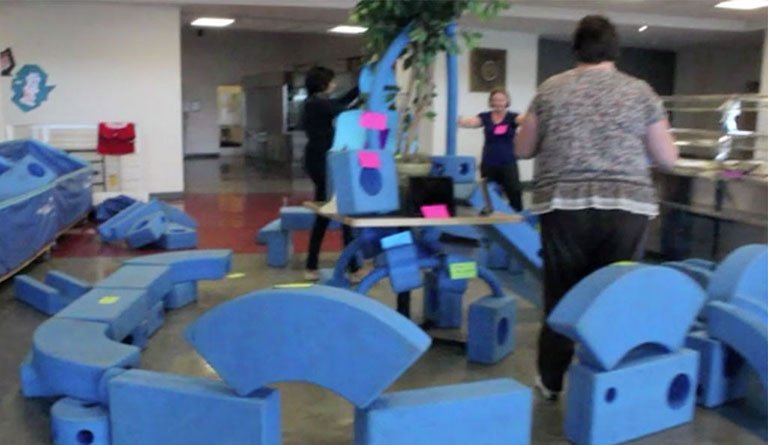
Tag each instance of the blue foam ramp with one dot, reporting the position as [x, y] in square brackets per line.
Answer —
[40, 296]
[117, 227]
[743, 273]
[77, 422]
[632, 401]
[156, 280]
[70, 357]
[357, 348]
[70, 287]
[490, 412]
[178, 237]
[722, 376]
[147, 230]
[122, 310]
[181, 294]
[743, 332]
[191, 265]
[178, 216]
[154, 408]
[23, 176]
[621, 307]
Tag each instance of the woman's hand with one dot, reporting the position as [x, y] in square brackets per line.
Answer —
[470, 122]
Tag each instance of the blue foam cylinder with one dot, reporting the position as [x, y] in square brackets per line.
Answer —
[491, 335]
[77, 422]
[363, 190]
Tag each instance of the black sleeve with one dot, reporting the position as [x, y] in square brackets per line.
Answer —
[338, 105]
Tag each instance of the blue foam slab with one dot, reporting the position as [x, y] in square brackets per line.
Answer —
[23, 176]
[490, 412]
[356, 348]
[403, 238]
[491, 329]
[71, 356]
[461, 169]
[147, 230]
[154, 408]
[743, 273]
[632, 401]
[40, 296]
[178, 237]
[443, 299]
[191, 265]
[70, 287]
[180, 295]
[122, 310]
[621, 307]
[117, 227]
[700, 274]
[178, 216]
[722, 374]
[743, 332]
[156, 280]
[468, 232]
[77, 422]
[363, 190]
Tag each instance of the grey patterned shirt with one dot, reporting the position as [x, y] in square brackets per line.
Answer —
[591, 146]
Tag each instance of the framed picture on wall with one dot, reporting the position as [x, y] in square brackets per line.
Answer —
[487, 69]
[6, 62]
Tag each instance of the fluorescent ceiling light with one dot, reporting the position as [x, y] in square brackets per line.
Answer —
[213, 22]
[347, 29]
[642, 28]
[742, 4]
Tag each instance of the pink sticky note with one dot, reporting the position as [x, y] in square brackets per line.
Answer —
[369, 159]
[501, 129]
[373, 121]
[435, 211]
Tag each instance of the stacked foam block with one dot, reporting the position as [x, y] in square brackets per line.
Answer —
[154, 224]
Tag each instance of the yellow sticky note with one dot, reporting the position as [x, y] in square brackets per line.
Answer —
[293, 286]
[463, 271]
[234, 275]
[109, 299]
[625, 263]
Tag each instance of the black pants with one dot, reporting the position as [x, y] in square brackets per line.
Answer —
[575, 244]
[321, 223]
[508, 177]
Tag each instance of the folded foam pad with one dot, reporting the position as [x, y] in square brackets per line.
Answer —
[742, 272]
[334, 338]
[743, 332]
[154, 408]
[23, 176]
[70, 287]
[300, 218]
[117, 227]
[178, 237]
[621, 307]
[75, 422]
[147, 230]
[40, 296]
[71, 356]
[122, 310]
[490, 412]
[156, 280]
[178, 216]
[191, 265]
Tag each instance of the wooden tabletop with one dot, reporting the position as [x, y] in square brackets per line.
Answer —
[466, 216]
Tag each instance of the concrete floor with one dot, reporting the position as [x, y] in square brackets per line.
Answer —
[312, 415]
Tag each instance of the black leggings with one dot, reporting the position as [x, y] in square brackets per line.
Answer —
[508, 177]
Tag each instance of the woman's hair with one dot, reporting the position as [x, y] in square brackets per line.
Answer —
[318, 78]
[595, 40]
[496, 91]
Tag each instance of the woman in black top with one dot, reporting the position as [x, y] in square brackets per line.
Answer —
[317, 119]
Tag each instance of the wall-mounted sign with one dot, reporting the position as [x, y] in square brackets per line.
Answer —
[30, 87]
[6, 62]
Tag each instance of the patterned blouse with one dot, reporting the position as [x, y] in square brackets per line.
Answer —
[591, 148]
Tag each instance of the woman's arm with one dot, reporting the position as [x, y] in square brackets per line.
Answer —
[527, 138]
[340, 104]
[470, 122]
[519, 118]
[661, 145]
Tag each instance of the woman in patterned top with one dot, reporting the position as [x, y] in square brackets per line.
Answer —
[594, 132]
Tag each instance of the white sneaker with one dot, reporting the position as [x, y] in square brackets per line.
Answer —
[311, 275]
[546, 393]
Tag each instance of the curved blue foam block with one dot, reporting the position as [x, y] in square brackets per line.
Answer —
[700, 274]
[181, 294]
[117, 227]
[24, 175]
[743, 332]
[489, 412]
[70, 287]
[742, 272]
[147, 230]
[360, 188]
[334, 338]
[722, 375]
[622, 307]
[700, 262]
[40, 296]
[491, 329]
[71, 356]
[459, 168]
[156, 280]
[77, 422]
[122, 310]
[178, 237]
[190, 265]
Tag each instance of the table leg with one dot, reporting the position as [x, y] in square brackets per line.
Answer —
[404, 304]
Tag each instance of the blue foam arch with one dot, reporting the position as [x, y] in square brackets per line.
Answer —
[334, 338]
[621, 307]
[742, 272]
[190, 265]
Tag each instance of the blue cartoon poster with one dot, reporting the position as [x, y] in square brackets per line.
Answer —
[30, 87]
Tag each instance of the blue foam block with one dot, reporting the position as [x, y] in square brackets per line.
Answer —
[192, 265]
[490, 412]
[181, 294]
[496, 257]
[40, 296]
[70, 357]
[349, 135]
[742, 272]
[459, 168]
[147, 230]
[443, 299]
[403, 238]
[154, 408]
[722, 374]
[70, 287]
[178, 237]
[155, 280]
[178, 216]
[491, 330]
[700, 274]
[357, 348]
[634, 400]
[32, 385]
[23, 176]
[155, 319]
[117, 227]
[700, 262]
[77, 422]
[630, 300]
[362, 190]
[122, 310]
[279, 243]
[751, 305]
[402, 263]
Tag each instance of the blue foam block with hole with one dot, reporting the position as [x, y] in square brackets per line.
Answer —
[155, 408]
[181, 294]
[634, 400]
[192, 265]
[122, 310]
[70, 357]
[488, 412]
[178, 237]
[357, 348]
[40, 296]
[632, 300]
[363, 190]
[77, 422]
[461, 169]
[443, 299]
[23, 176]
[491, 329]
[70, 287]
[178, 216]
[722, 374]
[743, 273]
[147, 230]
[156, 280]
[117, 227]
